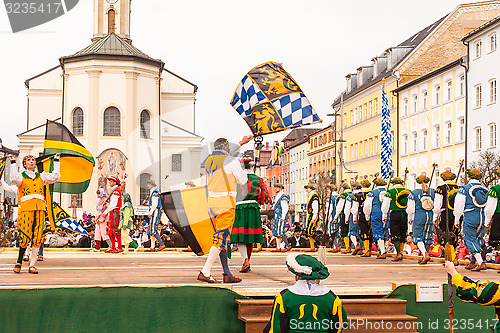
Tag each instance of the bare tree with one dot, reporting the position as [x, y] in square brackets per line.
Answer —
[487, 162]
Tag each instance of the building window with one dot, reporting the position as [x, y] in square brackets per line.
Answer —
[376, 145]
[493, 135]
[424, 99]
[375, 105]
[461, 128]
[78, 122]
[366, 110]
[405, 103]
[493, 91]
[415, 142]
[479, 45]
[462, 85]
[352, 152]
[78, 200]
[424, 139]
[493, 42]
[438, 92]
[448, 90]
[437, 136]
[143, 184]
[352, 117]
[371, 146]
[371, 108]
[448, 132]
[176, 162]
[478, 138]
[111, 122]
[111, 21]
[478, 96]
[145, 125]
[405, 144]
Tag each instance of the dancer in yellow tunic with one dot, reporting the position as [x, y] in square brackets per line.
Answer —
[31, 219]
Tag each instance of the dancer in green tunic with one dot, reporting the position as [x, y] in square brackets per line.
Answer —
[247, 228]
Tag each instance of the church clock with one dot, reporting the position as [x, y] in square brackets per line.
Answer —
[112, 1]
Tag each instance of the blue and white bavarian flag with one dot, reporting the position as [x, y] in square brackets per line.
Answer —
[386, 142]
[66, 222]
[270, 100]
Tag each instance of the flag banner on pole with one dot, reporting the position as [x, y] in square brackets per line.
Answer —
[270, 100]
[187, 210]
[77, 163]
[66, 222]
[275, 154]
[386, 140]
[3, 161]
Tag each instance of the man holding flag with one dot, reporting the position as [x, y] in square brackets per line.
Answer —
[30, 192]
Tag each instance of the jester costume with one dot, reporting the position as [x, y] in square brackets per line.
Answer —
[31, 219]
[340, 216]
[127, 222]
[112, 212]
[480, 293]
[307, 306]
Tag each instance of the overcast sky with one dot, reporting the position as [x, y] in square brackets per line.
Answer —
[214, 43]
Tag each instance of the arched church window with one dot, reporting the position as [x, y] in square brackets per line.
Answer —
[144, 191]
[145, 125]
[111, 122]
[111, 21]
[78, 122]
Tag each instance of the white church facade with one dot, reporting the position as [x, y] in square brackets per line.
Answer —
[134, 115]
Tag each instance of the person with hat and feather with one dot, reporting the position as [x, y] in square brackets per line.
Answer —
[349, 216]
[280, 220]
[394, 210]
[470, 202]
[247, 228]
[419, 210]
[154, 215]
[112, 214]
[307, 306]
[333, 225]
[373, 213]
[340, 217]
[492, 213]
[359, 218]
[313, 208]
[443, 211]
[31, 212]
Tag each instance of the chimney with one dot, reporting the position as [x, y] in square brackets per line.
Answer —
[379, 64]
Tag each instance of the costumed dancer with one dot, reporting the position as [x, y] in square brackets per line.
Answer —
[340, 216]
[154, 216]
[223, 171]
[445, 196]
[30, 194]
[470, 202]
[127, 223]
[419, 210]
[280, 220]
[247, 228]
[112, 214]
[364, 227]
[492, 213]
[307, 303]
[394, 209]
[373, 214]
[100, 223]
[353, 226]
[333, 225]
[476, 291]
[313, 208]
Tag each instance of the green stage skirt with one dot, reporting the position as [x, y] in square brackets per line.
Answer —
[247, 226]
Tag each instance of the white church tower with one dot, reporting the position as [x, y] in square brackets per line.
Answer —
[134, 115]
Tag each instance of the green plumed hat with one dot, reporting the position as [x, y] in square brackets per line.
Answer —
[422, 179]
[497, 172]
[396, 180]
[306, 267]
[279, 186]
[474, 173]
[379, 182]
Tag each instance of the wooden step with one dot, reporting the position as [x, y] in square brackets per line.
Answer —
[375, 306]
[364, 315]
[359, 324]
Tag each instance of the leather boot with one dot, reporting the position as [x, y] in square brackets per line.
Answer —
[426, 259]
[382, 256]
[346, 251]
[399, 257]
[470, 266]
[478, 268]
[245, 267]
[367, 254]
[335, 250]
[356, 250]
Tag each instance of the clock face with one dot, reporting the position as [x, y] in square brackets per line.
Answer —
[112, 1]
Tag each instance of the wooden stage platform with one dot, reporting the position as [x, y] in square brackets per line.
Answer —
[349, 275]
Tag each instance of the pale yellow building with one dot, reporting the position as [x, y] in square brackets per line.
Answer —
[432, 121]
[321, 152]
